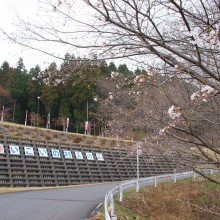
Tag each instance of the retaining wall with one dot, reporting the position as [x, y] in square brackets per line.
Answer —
[31, 163]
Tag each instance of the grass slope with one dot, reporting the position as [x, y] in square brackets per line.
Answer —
[17, 131]
[187, 200]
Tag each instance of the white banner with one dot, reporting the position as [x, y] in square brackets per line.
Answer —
[55, 153]
[14, 150]
[42, 152]
[99, 157]
[67, 154]
[78, 155]
[29, 151]
[89, 156]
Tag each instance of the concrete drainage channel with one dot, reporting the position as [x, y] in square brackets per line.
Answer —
[109, 197]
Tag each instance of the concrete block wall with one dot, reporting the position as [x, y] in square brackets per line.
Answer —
[22, 164]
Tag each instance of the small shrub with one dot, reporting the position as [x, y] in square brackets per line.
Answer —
[15, 133]
[77, 139]
[48, 137]
[26, 132]
[90, 142]
[112, 143]
[55, 136]
[103, 141]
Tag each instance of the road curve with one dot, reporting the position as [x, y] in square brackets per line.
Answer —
[69, 203]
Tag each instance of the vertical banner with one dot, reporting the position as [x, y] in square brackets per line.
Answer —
[67, 124]
[2, 113]
[2, 151]
[48, 121]
[26, 116]
[86, 127]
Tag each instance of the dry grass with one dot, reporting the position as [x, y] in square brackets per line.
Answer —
[20, 189]
[186, 200]
[77, 139]
[15, 131]
[98, 216]
[103, 142]
[26, 132]
[47, 137]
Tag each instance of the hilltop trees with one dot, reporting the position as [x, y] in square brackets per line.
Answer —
[57, 92]
[15, 82]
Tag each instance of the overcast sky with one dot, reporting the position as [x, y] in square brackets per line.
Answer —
[29, 11]
[10, 52]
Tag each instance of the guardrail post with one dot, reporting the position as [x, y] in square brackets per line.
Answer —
[137, 186]
[211, 171]
[155, 181]
[107, 214]
[174, 175]
[112, 204]
[194, 174]
[121, 194]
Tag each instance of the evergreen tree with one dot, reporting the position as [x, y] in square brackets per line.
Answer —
[112, 67]
[34, 87]
[16, 84]
[122, 68]
[3, 72]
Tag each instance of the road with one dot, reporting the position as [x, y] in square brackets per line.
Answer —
[69, 203]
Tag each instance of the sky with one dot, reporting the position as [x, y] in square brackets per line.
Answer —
[10, 52]
[29, 11]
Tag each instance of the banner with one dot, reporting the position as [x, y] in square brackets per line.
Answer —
[2, 149]
[86, 125]
[26, 117]
[67, 122]
[2, 113]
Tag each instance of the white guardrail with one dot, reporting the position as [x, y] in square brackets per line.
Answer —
[109, 197]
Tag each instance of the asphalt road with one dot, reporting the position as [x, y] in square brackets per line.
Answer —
[71, 203]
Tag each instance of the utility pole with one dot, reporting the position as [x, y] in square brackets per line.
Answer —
[38, 106]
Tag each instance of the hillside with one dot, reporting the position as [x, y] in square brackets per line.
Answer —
[187, 199]
[17, 131]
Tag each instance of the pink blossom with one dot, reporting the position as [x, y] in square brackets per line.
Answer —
[207, 89]
[114, 75]
[174, 112]
[195, 96]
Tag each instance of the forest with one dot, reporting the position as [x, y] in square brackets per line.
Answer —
[58, 97]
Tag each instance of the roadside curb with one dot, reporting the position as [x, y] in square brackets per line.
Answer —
[98, 208]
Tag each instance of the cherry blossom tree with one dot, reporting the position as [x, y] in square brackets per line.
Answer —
[183, 39]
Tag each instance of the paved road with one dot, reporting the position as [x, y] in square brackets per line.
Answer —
[71, 203]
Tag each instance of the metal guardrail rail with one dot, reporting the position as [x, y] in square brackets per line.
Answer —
[109, 197]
